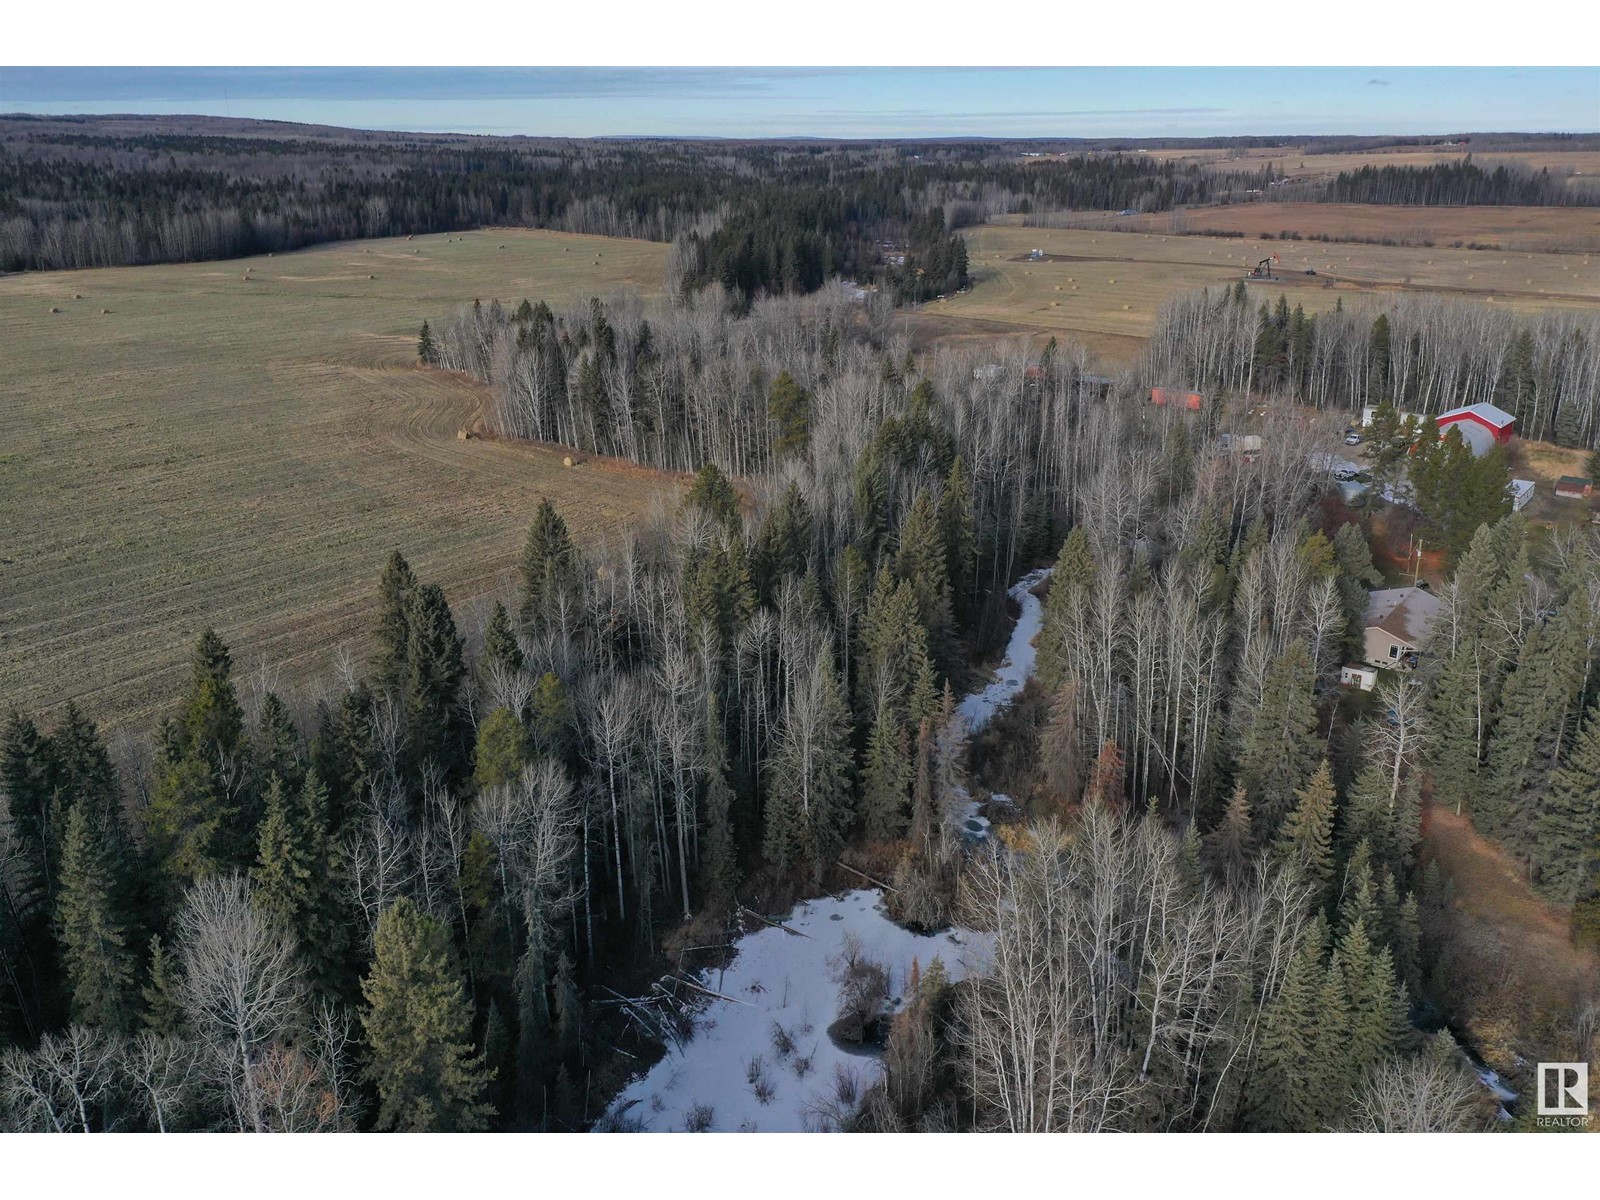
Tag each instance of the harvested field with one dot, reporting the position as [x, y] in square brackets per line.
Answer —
[245, 454]
[1510, 228]
[1094, 284]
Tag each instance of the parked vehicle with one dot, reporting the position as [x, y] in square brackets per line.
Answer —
[1352, 439]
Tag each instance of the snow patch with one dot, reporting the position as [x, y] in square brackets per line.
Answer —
[786, 982]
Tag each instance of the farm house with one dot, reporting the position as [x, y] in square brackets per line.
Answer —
[1398, 622]
[1482, 426]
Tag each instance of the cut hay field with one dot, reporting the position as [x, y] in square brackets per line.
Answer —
[1105, 289]
[245, 454]
[1537, 228]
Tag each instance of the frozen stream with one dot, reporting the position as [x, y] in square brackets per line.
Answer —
[761, 1058]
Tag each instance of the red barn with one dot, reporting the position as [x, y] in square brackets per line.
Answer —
[1161, 397]
[1482, 426]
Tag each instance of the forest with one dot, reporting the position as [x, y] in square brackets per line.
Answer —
[772, 217]
[400, 907]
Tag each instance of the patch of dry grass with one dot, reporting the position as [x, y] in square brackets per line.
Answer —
[245, 453]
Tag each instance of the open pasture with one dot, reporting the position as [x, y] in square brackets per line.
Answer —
[1525, 228]
[1106, 288]
[242, 443]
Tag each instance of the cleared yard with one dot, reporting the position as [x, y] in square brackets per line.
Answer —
[1106, 288]
[242, 443]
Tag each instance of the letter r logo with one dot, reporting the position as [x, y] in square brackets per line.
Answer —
[1563, 1089]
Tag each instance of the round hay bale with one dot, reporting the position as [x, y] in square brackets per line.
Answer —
[54, 309]
[1058, 287]
[568, 461]
[1055, 304]
[269, 254]
[371, 276]
[245, 277]
[408, 237]
[502, 245]
[76, 296]
[463, 435]
[1471, 276]
[1127, 307]
[1113, 281]
[105, 312]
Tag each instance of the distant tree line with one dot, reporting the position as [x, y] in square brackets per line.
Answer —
[756, 217]
[1456, 183]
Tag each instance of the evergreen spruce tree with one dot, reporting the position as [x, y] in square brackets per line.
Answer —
[418, 1029]
[427, 352]
[1230, 847]
[1281, 1097]
[394, 623]
[163, 1010]
[808, 800]
[503, 749]
[1377, 1017]
[1566, 830]
[435, 667]
[281, 880]
[960, 539]
[1457, 712]
[95, 928]
[1305, 841]
[550, 567]
[1331, 1074]
[789, 406]
[921, 562]
[719, 860]
[277, 746]
[1280, 749]
[713, 494]
[192, 820]
[886, 779]
[501, 651]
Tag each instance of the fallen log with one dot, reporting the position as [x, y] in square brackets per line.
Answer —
[868, 878]
[775, 924]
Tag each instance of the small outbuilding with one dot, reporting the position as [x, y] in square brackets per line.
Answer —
[1398, 623]
[1574, 487]
[1357, 676]
[1521, 493]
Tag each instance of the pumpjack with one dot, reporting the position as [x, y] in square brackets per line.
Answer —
[1263, 269]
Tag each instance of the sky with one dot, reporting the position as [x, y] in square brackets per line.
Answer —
[841, 102]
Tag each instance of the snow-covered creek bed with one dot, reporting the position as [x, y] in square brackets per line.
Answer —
[760, 1057]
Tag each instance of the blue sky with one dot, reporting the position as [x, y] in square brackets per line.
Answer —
[842, 102]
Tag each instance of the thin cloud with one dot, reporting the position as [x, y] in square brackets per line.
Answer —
[1377, 83]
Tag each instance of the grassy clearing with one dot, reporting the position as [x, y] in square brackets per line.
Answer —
[1104, 286]
[1509, 963]
[245, 452]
